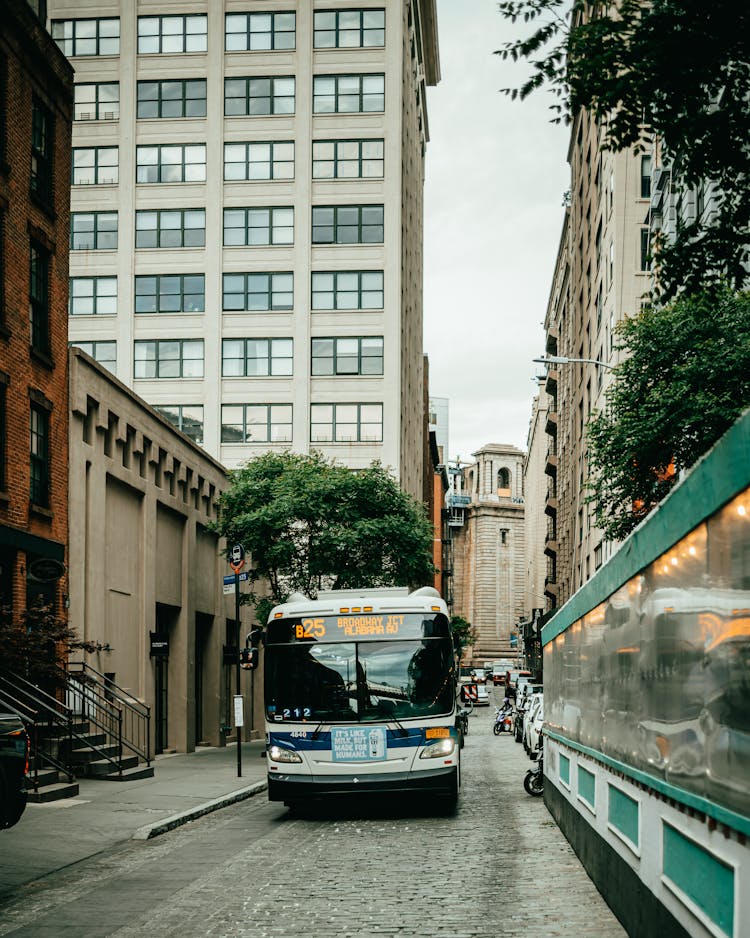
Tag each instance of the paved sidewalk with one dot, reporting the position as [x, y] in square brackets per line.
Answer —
[52, 836]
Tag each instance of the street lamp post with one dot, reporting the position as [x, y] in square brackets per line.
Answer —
[564, 360]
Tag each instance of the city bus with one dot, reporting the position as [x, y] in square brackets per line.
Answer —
[360, 696]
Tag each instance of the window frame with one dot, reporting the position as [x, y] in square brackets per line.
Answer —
[272, 305]
[42, 150]
[159, 229]
[337, 369]
[95, 166]
[337, 225]
[270, 424]
[334, 405]
[273, 97]
[95, 345]
[271, 163]
[96, 232]
[96, 297]
[39, 297]
[161, 100]
[337, 160]
[3, 433]
[337, 29]
[273, 32]
[338, 94]
[98, 106]
[160, 361]
[160, 294]
[271, 226]
[160, 34]
[337, 291]
[163, 166]
[98, 38]
[180, 424]
[40, 465]
[273, 361]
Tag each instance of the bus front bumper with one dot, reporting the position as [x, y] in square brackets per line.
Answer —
[438, 781]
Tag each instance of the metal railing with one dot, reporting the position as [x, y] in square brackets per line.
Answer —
[123, 718]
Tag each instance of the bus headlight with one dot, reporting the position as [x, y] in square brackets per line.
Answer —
[441, 747]
[277, 754]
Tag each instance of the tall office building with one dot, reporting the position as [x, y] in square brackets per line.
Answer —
[246, 226]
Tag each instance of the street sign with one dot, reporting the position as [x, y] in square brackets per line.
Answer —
[158, 645]
[229, 581]
[238, 714]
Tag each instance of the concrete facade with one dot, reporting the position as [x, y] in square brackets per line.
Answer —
[143, 560]
[373, 410]
[489, 549]
[536, 488]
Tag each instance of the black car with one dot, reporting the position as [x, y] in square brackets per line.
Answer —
[14, 764]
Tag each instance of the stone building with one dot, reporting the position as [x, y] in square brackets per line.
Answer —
[247, 218]
[146, 573]
[36, 104]
[489, 554]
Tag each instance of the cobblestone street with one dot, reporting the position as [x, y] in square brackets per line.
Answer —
[498, 866]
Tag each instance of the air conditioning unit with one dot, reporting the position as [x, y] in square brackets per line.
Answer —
[85, 116]
[107, 182]
[109, 115]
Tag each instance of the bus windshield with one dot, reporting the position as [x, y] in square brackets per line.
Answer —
[353, 682]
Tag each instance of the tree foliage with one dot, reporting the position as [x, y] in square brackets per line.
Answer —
[678, 70]
[310, 524]
[36, 644]
[686, 380]
[464, 634]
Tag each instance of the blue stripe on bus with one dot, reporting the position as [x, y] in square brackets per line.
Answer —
[395, 740]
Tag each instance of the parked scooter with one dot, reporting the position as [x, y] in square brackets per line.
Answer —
[503, 719]
[534, 780]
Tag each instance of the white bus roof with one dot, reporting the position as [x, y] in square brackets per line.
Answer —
[379, 599]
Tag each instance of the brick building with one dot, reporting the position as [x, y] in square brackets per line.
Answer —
[36, 102]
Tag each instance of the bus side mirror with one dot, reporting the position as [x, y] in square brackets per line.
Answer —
[255, 637]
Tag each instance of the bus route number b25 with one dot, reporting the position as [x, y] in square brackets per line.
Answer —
[310, 628]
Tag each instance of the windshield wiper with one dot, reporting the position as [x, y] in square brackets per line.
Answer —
[402, 729]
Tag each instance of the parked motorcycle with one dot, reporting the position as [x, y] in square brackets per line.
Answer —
[503, 720]
[534, 780]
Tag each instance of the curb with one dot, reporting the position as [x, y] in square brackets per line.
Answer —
[170, 823]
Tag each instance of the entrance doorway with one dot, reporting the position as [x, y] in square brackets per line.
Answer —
[203, 625]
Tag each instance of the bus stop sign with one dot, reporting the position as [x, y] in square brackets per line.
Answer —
[237, 558]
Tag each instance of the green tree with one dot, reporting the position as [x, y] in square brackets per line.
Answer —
[678, 70]
[310, 524]
[464, 634]
[686, 380]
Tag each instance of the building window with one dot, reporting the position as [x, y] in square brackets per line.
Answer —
[186, 417]
[347, 224]
[170, 293]
[347, 289]
[347, 159]
[93, 231]
[42, 139]
[169, 358]
[170, 228]
[250, 97]
[171, 163]
[95, 166]
[645, 250]
[171, 98]
[3, 110]
[255, 161]
[349, 29]
[97, 101]
[39, 297]
[347, 355]
[258, 226]
[611, 264]
[87, 37]
[256, 358]
[646, 163]
[346, 423]
[103, 352]
[258, 292]
[40, 455]
[165, 34]
[347, 94]
[93, 296]
[258, 32]
[256, 423]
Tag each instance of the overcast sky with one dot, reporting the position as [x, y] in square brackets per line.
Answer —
[495, 178]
